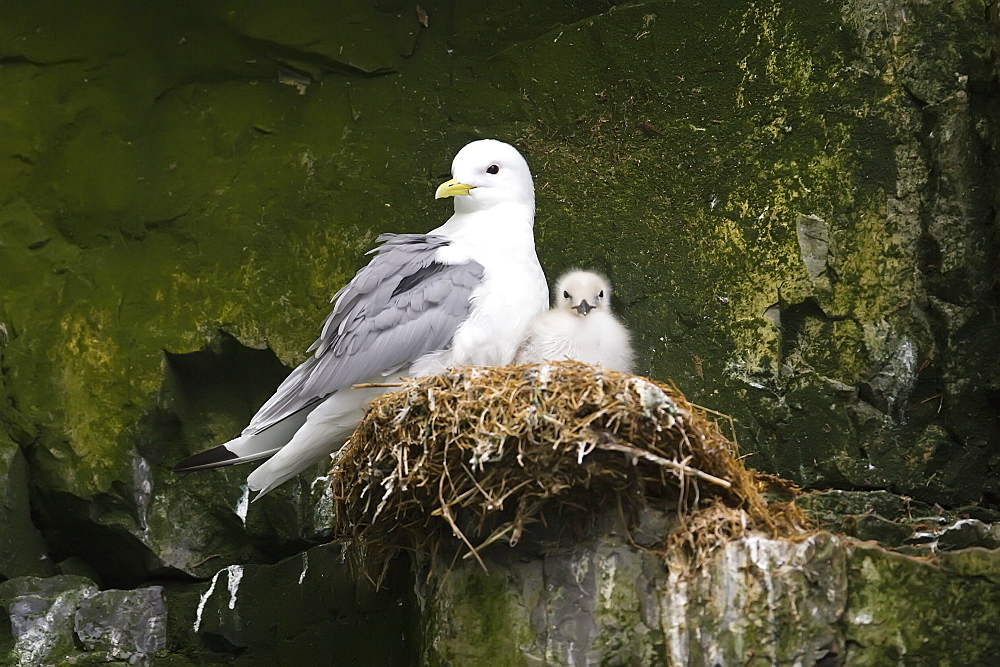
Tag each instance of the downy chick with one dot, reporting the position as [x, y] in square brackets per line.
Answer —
[579, 326]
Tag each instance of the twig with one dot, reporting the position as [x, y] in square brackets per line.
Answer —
[732, 422]
[493, 504]
[649, 456]
[514, 490]
[593, 416]
[497, 534]
[371, 385]
[457, 500]
[454, 527]
[205, 560]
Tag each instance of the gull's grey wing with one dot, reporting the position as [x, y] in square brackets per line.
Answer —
[401, 305]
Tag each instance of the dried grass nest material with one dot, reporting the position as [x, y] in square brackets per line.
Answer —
[477, 453]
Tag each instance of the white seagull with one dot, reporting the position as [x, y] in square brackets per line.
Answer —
[580, 326]
[463, 294]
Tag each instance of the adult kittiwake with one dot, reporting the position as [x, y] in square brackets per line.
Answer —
[463, 294]
[579, 326]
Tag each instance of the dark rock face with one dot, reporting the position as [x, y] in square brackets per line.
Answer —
[310, 608]
[293, 611]
[22, 550]
[795, 201]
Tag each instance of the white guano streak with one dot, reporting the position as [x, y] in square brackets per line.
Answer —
[234, 574]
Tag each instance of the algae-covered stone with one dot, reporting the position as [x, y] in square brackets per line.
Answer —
[22, 549]
[757, 600]
[830, 505]
[764, 600]
[797, 241]
[94, 234]
[874, 527]
[903, 609]
[769, 218]
[475, 617]
[595, 603]
[796, 201]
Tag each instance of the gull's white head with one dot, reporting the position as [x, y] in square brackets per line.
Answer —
[582, 292]
[486, 173]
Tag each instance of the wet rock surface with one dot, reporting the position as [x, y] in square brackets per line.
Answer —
[820, 600]
[66, 618]
[310, 608]
[41, 614]
[588, 604]
[795, 201]
[902, 524]
[22, 548]
[123, 625]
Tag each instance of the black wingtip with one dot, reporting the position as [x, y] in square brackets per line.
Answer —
[210, 458]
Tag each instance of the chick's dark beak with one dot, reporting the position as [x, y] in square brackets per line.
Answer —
[583, 308]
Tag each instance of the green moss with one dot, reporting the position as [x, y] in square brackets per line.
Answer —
[974, 562]
[691, 141]
[696, 175]
[905, 609]
[618, 614]
[652, 149]
[162, 182]
[163, 206]
[477, 618]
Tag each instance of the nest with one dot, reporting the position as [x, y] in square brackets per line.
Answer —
[478, 453]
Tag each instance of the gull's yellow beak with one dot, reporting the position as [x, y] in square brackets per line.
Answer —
[452, 188]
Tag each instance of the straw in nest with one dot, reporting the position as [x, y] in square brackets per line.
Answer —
[478, 452]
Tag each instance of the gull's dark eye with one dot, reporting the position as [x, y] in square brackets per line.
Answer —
[601, 295]
[565, 294]
[492, 169]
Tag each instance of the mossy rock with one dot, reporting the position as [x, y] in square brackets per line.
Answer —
[794, 201]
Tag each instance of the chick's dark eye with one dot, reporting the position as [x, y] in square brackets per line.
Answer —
[492, 169]
[565, 294]
[601, 295]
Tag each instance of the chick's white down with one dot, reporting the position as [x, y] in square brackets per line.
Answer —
[580, 326]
